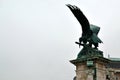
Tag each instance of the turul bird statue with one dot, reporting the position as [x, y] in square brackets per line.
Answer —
[89, 32]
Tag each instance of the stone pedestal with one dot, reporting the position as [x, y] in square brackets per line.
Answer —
[90, 64]
[90, 69]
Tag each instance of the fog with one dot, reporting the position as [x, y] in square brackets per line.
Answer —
[37, 38]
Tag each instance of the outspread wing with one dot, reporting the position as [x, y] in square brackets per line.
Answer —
[95, 29]
[80, 17]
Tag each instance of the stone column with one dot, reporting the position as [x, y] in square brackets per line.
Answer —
[101, 69]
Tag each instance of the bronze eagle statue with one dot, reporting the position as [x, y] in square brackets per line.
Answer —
[89, 31]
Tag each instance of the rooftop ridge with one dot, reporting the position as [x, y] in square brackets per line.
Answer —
[114, 59]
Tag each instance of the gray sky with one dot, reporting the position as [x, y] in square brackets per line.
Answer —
[37, 37]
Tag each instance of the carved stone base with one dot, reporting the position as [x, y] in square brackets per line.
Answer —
[94, 71]
[90, 64]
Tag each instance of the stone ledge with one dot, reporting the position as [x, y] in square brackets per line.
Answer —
[81, 60]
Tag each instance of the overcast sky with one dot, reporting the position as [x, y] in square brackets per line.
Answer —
[37, 36]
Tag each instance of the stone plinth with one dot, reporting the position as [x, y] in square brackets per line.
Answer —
[90, 68]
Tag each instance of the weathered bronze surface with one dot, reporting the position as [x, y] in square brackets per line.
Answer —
[89, 35]
[88, 52]
[89, 31]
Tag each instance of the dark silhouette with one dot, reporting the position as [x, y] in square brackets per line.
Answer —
[89, 31]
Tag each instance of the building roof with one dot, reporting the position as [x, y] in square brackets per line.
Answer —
[115, 63]
[114, 59]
